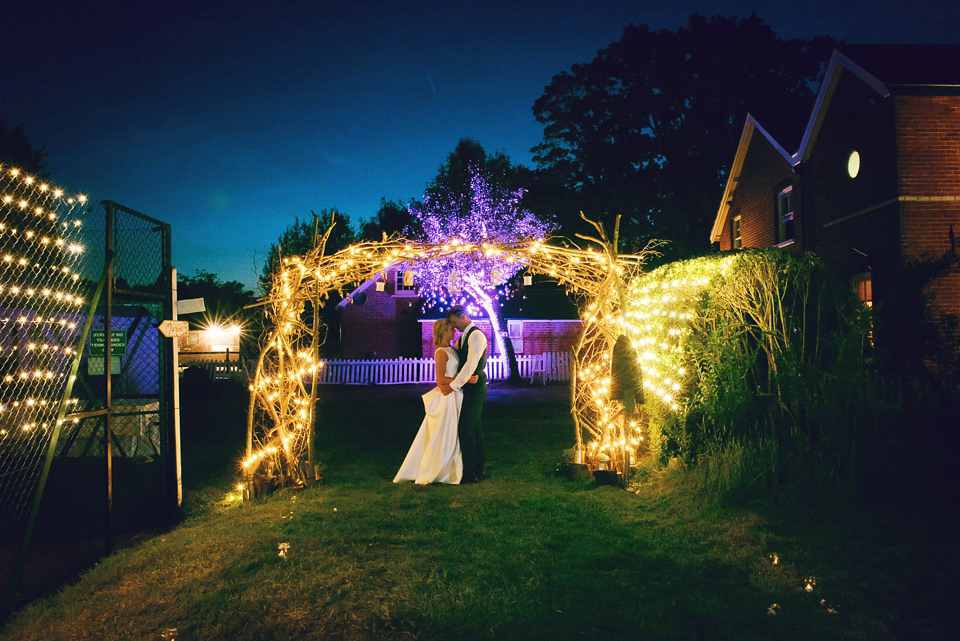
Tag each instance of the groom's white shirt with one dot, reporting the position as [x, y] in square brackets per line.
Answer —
[477, 342]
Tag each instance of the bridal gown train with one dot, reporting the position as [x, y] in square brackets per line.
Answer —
[434, 456]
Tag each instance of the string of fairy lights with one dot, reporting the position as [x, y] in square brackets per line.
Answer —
[41, 304]
[283, 391]
[652, 310]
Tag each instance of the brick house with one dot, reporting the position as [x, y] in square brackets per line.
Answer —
[379, 321]
[875, 180]
[387, 323]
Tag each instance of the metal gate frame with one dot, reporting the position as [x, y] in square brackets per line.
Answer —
[162, 293]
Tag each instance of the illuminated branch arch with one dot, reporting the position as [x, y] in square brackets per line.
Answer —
[283, 393]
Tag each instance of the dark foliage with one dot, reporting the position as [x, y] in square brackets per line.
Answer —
[16, 150]
[647, 129]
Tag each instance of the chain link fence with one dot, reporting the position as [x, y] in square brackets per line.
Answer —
[98, 449]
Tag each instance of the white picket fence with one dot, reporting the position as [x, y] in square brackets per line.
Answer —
[553, 366]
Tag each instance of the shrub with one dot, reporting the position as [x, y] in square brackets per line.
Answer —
[778, 399]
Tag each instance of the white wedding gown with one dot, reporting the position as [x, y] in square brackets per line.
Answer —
[434, 456]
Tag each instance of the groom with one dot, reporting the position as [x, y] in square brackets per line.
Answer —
[472, 349]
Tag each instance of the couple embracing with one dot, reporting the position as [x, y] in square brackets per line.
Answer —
[449, 446]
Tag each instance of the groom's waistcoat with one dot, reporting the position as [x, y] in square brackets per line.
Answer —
[464, 354]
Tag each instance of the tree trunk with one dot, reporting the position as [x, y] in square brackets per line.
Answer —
[514, 378]
[498, 329]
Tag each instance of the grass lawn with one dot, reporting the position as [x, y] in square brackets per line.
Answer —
[526, 554]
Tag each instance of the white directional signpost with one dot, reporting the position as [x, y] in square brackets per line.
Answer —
[174, 328]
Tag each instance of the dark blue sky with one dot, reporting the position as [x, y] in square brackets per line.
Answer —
[228, 119]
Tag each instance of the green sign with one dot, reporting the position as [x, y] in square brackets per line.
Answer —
[95, 365]
[118, 342]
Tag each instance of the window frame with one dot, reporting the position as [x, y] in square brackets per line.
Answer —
[399, 289]
[785, 232]
[736, 232]
[515, 332]
[862, 286]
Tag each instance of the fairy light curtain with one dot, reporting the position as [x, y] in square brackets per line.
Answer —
[283, 391]
[41, 319]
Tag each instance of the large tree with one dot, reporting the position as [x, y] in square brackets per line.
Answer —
[649, 127]
[299, 238]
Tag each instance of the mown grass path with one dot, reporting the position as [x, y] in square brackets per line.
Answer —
[526, 554]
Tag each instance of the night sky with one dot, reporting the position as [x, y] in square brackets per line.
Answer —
[230, 119]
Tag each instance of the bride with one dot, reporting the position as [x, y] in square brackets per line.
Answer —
[434, 456]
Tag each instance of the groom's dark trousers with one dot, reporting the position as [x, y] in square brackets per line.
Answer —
[470, 429]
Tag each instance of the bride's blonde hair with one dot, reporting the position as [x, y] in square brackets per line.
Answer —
[439, 329]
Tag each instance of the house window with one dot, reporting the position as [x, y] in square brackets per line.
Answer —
[785, 216]
[736, 240]
[515, 332]
[863, 287]
[404, 282]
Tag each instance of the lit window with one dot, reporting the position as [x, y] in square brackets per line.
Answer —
[863, 287]
[404, 282]
[785, 216]
[737, 241]
[515, 332]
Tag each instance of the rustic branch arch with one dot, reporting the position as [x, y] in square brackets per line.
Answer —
[283, 393]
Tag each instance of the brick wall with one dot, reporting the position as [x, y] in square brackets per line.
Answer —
[384, 326]
[763, 174]
[539, 336]
[542, 336]
[928, 142]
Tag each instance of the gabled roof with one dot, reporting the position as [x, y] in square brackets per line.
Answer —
[749, 128]
[366, 285]
[886, 69]
[893, 69]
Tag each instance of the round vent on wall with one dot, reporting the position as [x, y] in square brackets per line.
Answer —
[853, 164]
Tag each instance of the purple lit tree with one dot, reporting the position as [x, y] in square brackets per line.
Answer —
[487, 213]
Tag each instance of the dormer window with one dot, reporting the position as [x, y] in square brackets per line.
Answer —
[403, 285]
[785, 217]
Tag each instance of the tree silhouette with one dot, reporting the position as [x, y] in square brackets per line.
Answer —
[392, 218]
[16, 151]
[648, 128]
